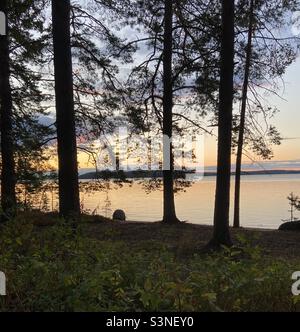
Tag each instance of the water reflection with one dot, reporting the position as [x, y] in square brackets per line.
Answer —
[263, 199]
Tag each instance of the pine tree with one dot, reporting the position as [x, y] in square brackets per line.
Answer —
[175, 72]
[221, 234]
[236, 220]
[25, 42]
[8, 178]
[69, 204]
[169, 213]
[262, 58]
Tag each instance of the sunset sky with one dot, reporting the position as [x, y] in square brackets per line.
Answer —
[287, 121]
[287, 155]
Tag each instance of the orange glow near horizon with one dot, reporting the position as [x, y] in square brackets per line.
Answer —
[285, 152]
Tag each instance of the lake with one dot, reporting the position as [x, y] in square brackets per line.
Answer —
[263, 201]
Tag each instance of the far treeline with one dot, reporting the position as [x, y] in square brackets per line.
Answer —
[176, 67]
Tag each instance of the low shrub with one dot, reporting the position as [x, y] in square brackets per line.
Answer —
[57, 269]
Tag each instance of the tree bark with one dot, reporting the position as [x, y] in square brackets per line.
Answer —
[221, 234]
[238, 167]
[8, 178]
[69, 204]
[169, 213]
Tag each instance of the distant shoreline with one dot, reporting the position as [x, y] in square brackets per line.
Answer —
[139, 174]
[262, 172]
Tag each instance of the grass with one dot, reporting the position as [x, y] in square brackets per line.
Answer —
[112, 266]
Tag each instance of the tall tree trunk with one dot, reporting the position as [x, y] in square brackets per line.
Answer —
[238, 166]
[169, 214]
[8, 178]
[69, 204]
[221, 234]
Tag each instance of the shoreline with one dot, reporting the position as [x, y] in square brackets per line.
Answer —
[190, 223]
[144, 174]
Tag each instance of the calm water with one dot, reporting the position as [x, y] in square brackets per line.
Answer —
[263, 201]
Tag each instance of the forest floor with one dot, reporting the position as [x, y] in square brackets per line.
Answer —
[190, 238]
[137, 266]
[183, 238]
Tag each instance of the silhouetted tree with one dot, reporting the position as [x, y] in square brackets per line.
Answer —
[171, 88]
[236, 220]
[221, 234]
[262, 58]
[69, 204]
[169, 213]
[8, 179]
[294, 202]
[22, 94]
